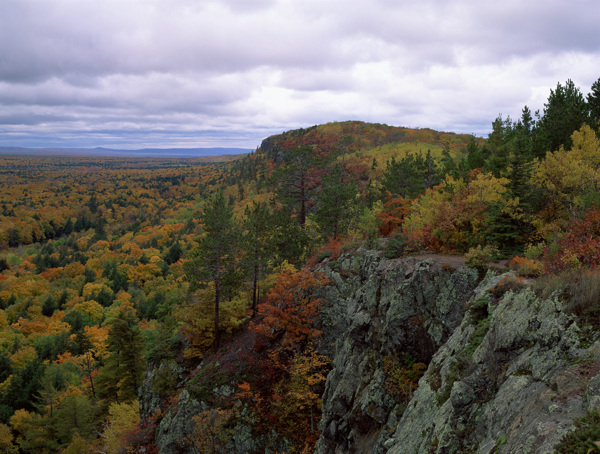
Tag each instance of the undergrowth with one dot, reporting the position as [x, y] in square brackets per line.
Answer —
[578, 289]
[583, 440]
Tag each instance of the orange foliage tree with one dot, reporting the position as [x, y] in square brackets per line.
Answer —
[393, 214]
[580, 246]
[290, 309]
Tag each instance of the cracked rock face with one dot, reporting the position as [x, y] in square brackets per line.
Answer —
[396, 307]
[534, 377]
[509, 376]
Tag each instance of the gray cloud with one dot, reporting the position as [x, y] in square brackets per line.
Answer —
[248, 68]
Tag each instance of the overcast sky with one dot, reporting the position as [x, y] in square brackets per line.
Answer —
[201, 73]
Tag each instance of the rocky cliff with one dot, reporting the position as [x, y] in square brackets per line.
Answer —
[502, 370]
[508, 372]
[396, 308]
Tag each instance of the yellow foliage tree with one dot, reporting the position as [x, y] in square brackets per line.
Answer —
[91, 308]
[566, 177]
[6, 439]
[22, 357]
[448, 215]
[122, 417]
[198, 320]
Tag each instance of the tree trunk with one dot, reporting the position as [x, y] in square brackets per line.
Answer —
[217, 300]
[302, 219]
[254, 290]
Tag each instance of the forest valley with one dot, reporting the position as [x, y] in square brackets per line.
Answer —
[206, 272]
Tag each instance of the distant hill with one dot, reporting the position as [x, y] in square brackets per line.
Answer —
[145, 152]
[370, 139]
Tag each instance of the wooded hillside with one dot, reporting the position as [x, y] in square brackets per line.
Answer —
[110, 267]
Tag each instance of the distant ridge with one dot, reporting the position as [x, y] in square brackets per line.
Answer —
[144, 152]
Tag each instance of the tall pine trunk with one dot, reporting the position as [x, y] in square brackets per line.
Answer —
[217, 300]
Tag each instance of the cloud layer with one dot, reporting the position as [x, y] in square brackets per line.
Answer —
[136, 73]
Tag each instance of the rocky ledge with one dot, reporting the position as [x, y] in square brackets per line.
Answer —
[506, 371]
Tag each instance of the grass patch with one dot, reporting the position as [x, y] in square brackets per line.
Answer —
[579, 290]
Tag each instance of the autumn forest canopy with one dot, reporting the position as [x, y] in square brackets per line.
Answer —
[206, 271]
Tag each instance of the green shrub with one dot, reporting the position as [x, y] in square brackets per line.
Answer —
[395, 246]
[478, 309]
[479, 255]
[583, 439]
[534, 251]
[444, 394]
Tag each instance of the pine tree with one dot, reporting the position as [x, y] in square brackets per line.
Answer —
[214, 260]
[291, 241]
[337, 204]
[593, 99]
[296, 182]
[174, 253]
[257, 243]
[49, 306]
[527, 121]
[123, 371]
[565, 112]
[409, 176]
[499, 146]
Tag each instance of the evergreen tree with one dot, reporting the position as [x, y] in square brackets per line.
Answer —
[257, 243]
[64, 297]
[5, 366]
[409, 176]
[448, 165]
[476, 157]
[501, 230]
[565, 112]
[23, 387]
[498, 144]
[124, 368]
[296, 182]
[174, 253]
[431, 175]
[118, 278]
[527, 121]
[337, 204]
[4, 265]
[290, 240]
[49, 306]
[89, 276]
[75, 416]
[214, 259]
[593, 99]
[68, 228]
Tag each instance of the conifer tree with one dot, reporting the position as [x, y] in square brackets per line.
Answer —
[593, 99]
[214, 260]
[123, 372]
[257, 244]
[499, 146]
[174, 253]
[565, 112]
[337, 204]
[296, 182]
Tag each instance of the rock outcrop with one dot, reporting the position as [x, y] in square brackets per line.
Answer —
[389, 308]
[507, 371]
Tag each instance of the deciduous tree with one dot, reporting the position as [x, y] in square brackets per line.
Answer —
[290, 309]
